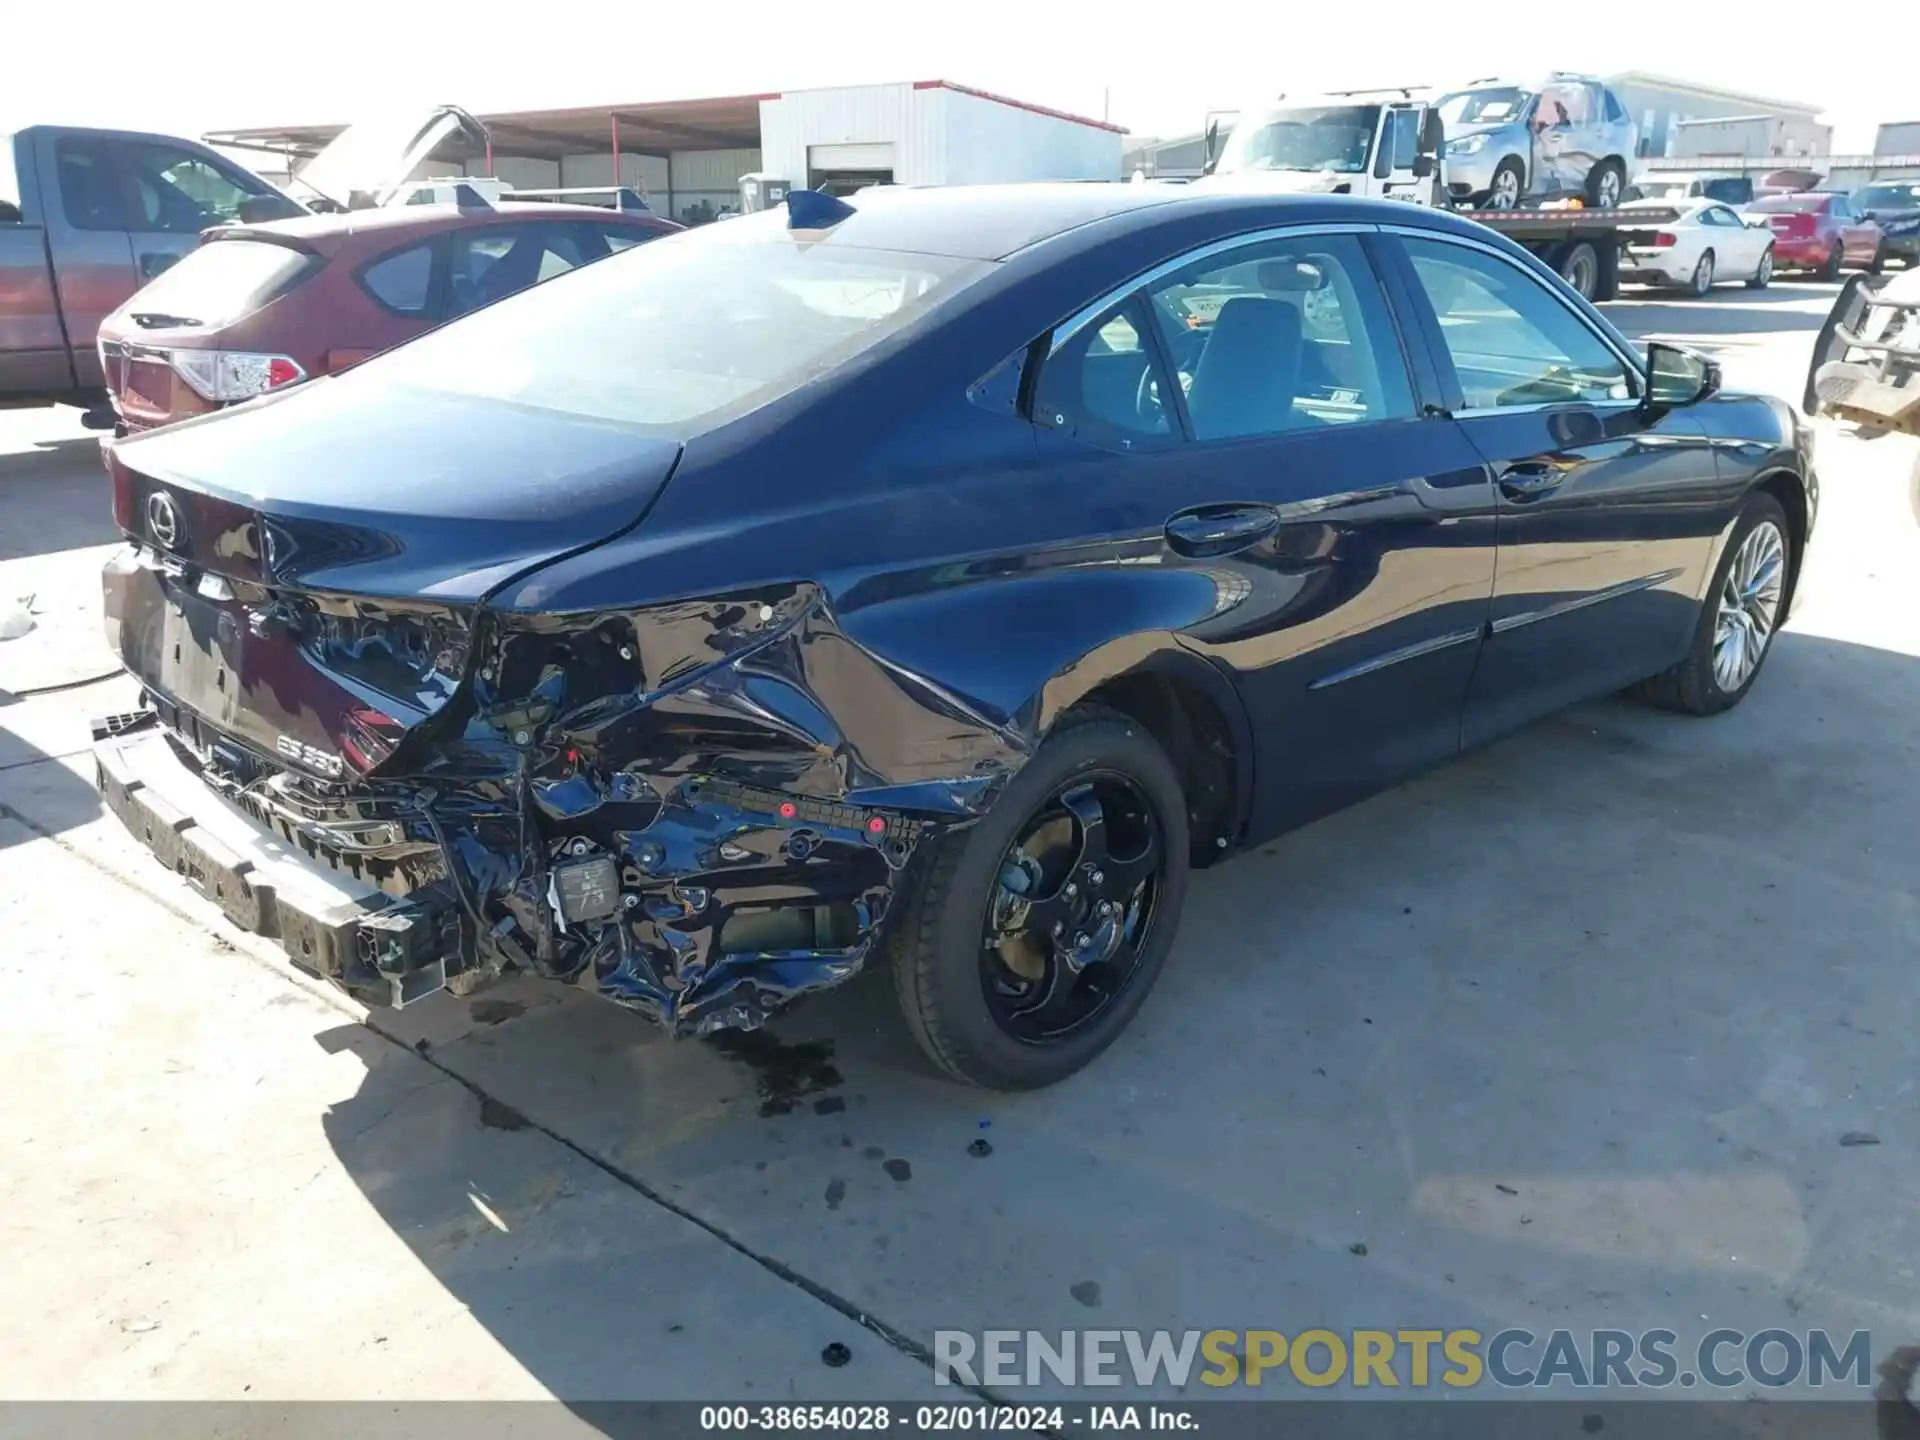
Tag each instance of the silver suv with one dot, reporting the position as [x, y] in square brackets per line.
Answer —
[1509, 142]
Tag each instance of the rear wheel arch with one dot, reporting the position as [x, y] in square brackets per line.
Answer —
[1194, 713]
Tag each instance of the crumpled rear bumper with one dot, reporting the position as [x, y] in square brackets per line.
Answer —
[261, 882]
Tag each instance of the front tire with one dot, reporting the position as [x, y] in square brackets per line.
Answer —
[1604, 184]
[1509, 183]
[1030, 939]
[1737, 623]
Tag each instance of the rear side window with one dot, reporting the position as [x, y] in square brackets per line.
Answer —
[624, 237]
[1106, 385]
[224, 280]
[1615, 115]
[402, 281]
[489, 263]
[89, 190]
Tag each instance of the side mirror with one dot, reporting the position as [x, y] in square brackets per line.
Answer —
[1677, 377]
[1422, 167]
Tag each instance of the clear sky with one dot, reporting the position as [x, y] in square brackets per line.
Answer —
[1154, 69]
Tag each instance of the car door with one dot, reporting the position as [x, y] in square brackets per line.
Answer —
[1561, 128]
[1859, 238]
[92, 258]
[1347, 534]
[174, 192]
[1737, 245]
[1606, 511]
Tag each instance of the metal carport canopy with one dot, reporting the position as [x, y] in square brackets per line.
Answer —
[730, 122]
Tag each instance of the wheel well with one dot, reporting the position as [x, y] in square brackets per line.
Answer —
[1785, 488]
[1188, 725]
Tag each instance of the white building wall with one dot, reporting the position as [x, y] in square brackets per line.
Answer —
[930, 136]
[986, 142]
[853, 115]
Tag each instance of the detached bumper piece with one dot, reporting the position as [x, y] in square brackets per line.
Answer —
[379, 949]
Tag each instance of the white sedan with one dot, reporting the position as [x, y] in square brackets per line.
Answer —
[1707, 243]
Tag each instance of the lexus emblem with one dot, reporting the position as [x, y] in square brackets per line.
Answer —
[163, 522]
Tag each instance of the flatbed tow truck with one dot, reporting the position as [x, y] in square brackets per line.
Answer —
[1389, 144]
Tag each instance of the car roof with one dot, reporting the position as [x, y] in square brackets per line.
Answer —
[997, 222]
[976, 222]
[399, 221]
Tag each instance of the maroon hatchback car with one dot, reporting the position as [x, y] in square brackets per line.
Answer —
[258, 307]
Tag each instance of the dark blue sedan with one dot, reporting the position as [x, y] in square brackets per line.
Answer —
[946, 572]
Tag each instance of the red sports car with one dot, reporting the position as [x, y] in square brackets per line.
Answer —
[258, 307]
[1815, 230]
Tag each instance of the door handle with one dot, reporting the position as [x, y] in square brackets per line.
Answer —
[1220, 529]
[1530, 480]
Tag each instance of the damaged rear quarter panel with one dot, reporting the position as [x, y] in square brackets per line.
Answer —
[880, 638]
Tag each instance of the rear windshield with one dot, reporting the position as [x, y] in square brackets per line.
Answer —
[1876, 197]
[712, 320]
[220, 282]
[1791, 204]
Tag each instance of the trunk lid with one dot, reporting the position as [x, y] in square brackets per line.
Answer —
[308, 575]
[371, 159]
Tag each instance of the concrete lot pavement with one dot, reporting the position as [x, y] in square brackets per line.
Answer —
[1567, 1033]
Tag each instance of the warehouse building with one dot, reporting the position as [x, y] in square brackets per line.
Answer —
[1661, 106]
[688, 157]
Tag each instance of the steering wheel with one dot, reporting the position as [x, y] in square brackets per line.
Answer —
[1147, 403]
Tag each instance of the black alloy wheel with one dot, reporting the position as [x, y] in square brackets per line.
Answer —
[1027, 941]
[1076, 901]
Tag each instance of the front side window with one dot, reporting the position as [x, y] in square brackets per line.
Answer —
[1511, 340]
[1283, 335]
[182, 193]
[1403, 138]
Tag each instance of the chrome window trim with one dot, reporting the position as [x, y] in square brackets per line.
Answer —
[1466, 242]
[1087, 314]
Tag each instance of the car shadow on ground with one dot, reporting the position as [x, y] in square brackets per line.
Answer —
[37, 496]
[1571, 1025]
[35, 787]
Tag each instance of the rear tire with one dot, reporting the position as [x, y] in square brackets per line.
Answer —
[1696, 686]
[943, 957]
[1763, 273]
[1830, 267]
[1580, 268]
[1701, 285]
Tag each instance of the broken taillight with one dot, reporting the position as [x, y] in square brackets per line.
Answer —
[227, 375]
